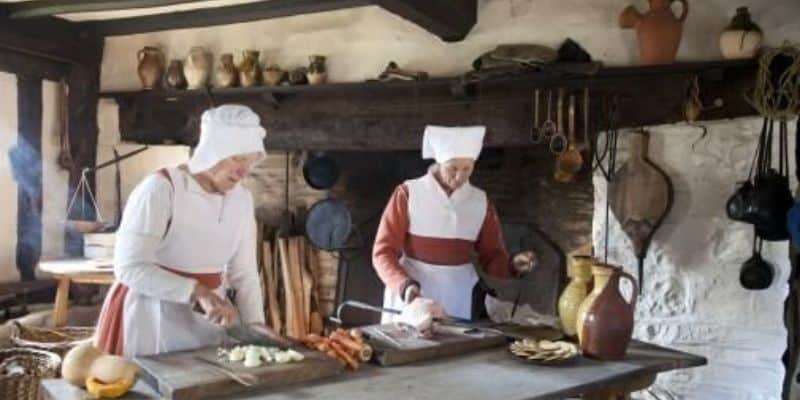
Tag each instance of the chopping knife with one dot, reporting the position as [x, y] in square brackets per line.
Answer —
[246, 334]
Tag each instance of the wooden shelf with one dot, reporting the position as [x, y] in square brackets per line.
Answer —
[376, 115]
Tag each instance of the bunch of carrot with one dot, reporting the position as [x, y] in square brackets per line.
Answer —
[346, 346]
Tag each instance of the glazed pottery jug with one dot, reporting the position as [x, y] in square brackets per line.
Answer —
[248, 68]
[605, 318]
[580, 270]
[197, 68]
[226, 74]
[174, 79]
[151, 66]
[658, 30]
[742, 38]
[316, 70]
[273, 75]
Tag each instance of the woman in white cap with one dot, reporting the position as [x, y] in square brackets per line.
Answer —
[186, 235]
[432, 228]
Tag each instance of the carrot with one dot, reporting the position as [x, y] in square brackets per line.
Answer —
[351, 362]
[359, 350]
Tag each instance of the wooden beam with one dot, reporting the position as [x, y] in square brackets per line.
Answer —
[43, 8]
[220, 15]
[450, 20]
[31, 66]
[50, 38]
[26, 161]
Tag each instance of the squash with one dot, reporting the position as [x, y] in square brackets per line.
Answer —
[85, 361]
[107, 390]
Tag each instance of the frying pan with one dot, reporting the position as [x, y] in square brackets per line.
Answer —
[320, 171]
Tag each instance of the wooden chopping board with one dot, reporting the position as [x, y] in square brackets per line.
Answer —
[180, 376]
[449, 342]
[640, 196]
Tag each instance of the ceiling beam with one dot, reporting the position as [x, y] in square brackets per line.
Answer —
[50, 38]
[451, 20]
[219, 15]
[45, 8]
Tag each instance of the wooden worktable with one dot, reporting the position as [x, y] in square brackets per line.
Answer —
[490, 374]
[78, 270]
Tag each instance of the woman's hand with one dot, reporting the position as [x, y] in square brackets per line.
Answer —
[524, 262]
[218, 310]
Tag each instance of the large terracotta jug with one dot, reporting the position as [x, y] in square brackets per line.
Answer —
[197, 68]
[580, 270]
[658, 30]
[605, 318]
[151, 66]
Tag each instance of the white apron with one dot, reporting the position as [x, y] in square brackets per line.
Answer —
[433, 214]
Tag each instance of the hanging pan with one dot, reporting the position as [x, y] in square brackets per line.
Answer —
[320, 171]
[329, 226]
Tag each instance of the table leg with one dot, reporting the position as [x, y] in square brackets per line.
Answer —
[61, 305]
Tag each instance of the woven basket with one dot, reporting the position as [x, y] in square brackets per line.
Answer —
[37, 364]
[58, 340]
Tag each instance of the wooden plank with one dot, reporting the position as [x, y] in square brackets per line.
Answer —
[444, 344]
[26, 164]
[35, 67]
[451, 20]
[180, 376]
[42, 8]
[392, 116]
[50, 38]
[219, 16]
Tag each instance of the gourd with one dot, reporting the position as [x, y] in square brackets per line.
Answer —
[86, 365]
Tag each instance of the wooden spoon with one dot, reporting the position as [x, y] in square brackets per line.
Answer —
[569, 163]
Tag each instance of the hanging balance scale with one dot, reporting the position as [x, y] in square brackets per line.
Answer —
[640, 195]
[83, 222]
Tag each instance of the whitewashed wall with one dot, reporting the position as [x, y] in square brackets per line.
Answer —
[692, 297]
[699, 307]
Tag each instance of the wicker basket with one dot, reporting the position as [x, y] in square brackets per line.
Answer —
[37, 365]
[58, 340]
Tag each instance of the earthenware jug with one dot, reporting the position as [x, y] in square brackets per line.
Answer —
[174, 78]
[273, 75]
[151, 66]
[580, 272]
[658, 30]
[317, 73]
[742, 38]
[197, 68]
[248, 69]
[226, 74]
[605, 318]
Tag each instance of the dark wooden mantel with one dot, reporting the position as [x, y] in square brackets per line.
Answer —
[392, 116]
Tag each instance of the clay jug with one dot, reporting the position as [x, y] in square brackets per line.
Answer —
[227, 75]
[273, 75]
[248, 68]
[658, 30]
[742, 38]
[580, 272]
[197, 68]
[151, 66]
[605, 318]
[174, 79]
[317, 73]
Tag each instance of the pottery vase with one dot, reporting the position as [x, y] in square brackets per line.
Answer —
[742, 38]
[197, 68]
[174, 78]
[226, 74]
[658, 30]
[605, 318]
[151, 66]
[580, 272]
[317, 73]
[273, 75]
[248, 69]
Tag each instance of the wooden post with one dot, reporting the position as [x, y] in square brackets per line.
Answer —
[26, 161]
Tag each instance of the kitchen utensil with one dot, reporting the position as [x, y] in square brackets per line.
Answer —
[328, 225]
[320, 171]
[559, 142]
[537, 133]
[246, 334]
[569, 163]
[549, 127]
[640, 196]
[241, 377]
[756, 273]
